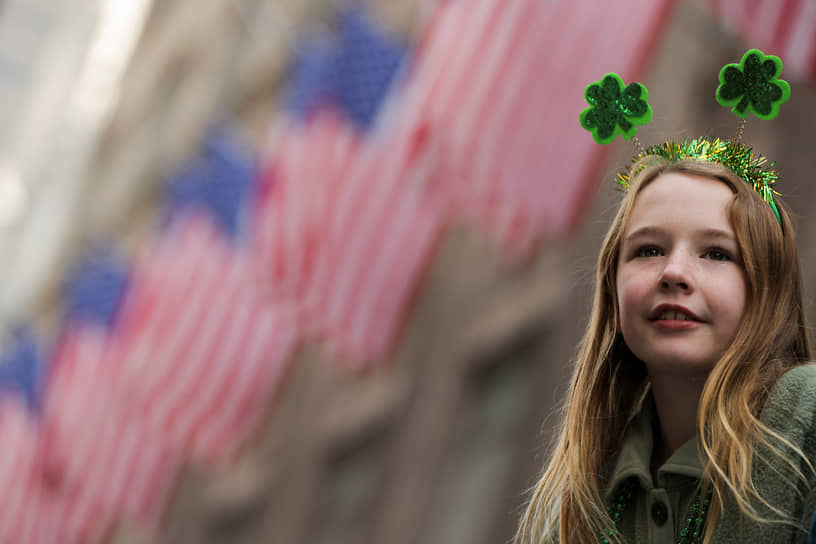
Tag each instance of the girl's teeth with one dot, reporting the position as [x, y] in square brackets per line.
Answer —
[674, 315]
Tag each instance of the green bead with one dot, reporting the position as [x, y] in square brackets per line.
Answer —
[695, 519]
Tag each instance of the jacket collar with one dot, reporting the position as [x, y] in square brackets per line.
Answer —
[635, 454]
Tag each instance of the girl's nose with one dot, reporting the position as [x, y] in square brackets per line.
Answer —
[677, 272]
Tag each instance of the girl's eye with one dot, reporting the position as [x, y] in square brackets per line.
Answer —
[648, 251]
[718, 254]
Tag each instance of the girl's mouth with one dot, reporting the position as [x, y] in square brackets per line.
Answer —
[673, 312]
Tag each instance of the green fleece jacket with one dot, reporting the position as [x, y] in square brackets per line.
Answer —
[657, 511]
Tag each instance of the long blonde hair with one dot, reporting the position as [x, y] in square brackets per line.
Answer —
[608, 381]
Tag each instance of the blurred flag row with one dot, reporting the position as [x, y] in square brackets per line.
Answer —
[174, 355]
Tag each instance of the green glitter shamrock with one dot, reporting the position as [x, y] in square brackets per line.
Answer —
[614, 109]
[753, 85]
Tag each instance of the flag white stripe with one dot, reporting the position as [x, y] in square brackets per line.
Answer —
[507, 109]
[470, 97]
[148, 366]
[192, 317]
[377, 266]
[364, 201]
[769, 13]
[200, 371]
[396, 260]
[254, 383]
[802, 42]
[453, 59]
[225, 368]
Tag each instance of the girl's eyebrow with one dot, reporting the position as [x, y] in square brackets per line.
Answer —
[644, 231]
[703, 233]
[718, 233]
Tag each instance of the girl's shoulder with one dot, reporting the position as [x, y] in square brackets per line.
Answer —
[791, 413]
[791, 403]
[799, 382]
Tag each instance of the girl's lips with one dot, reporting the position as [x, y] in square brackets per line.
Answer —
[676, 324]
[672, 311]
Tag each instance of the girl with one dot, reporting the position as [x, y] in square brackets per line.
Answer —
[692, 412]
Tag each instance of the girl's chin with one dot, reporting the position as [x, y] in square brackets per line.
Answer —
[681, 365]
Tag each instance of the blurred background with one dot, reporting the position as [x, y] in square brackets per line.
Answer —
[314, 271]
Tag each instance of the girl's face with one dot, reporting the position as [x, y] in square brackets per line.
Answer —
[680, 286]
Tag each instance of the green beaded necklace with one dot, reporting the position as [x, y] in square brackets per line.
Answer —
[692, 533]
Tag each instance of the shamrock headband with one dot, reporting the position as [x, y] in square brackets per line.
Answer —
[753, 85]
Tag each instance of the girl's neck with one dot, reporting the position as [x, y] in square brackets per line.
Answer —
[676, 400]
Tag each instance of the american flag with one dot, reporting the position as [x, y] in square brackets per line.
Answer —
[384, 229]
[99, 464]
[501, 84]
[314, 143]
[384, 224]
[346, 230]
[205, 349]
[786, 28]
[21, 376]
[300, 184]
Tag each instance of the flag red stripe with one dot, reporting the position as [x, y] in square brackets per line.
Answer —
[788, 10]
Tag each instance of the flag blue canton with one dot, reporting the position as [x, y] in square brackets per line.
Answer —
[230, 183]
[313, 77]
[368, 63]
[219, 181]
[353, 72]
[22, 368]
[94, 288]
